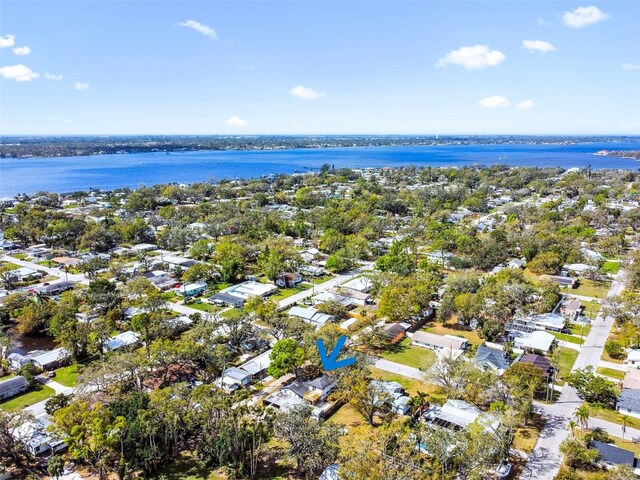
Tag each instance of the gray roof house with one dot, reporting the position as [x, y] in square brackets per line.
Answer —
[612, 456]
[12, 387]
[629, 402]
[491, 359]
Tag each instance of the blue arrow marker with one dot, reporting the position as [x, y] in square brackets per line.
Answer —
[331, 362]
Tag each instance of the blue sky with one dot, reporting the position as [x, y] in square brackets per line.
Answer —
[302, 67]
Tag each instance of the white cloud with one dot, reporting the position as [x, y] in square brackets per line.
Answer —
[525, 105]
[538, 46]
[583, 16]
[495, 101]
[306, 93]
[473, 58]
[199, 27]
[236, 121]
[52, 76]
[631, 66]
[7, 41]
[19, 73]
[22, 51]
[80, 86]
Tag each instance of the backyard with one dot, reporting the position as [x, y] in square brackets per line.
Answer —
[19, 402]
[406, 354]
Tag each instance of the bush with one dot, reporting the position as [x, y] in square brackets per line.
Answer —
[614, 349]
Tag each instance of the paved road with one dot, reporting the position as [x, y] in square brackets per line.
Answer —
[37, 409]
[72, 277]
[399, 369]
[340, 279]
[544, 462]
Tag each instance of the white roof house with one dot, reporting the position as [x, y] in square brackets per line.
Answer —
[121, 340]
[258, 365]
[50, 359]
[536, 340]
[547, 321]
[250, 289]
[438, 342]
[311, 315]
[459, 413]
[633, 357]
[359, 284]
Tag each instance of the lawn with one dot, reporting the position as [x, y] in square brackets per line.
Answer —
[627, 444]
[577, 328]
[204, 307]
[68, 376]
[588, 289]
[410, 385]
[567, 359]
[287, 292]
[567, 338]
[27, 399]
[324, 278]
[232, 313]
[406, 354]
[20, 256]
[10, 266]
[457, 331]
[611, 267]
[610, 372]
[525, 438]
[611, 416]
[591, 310]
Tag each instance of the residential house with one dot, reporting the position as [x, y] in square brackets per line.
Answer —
[633, 358]
[440, 257]
[250, 289]
[122, 340]
[400, 402]
[192, 289]
[359, 284]
[236, 376]
[438, 342]
[610, 456]
[305, 392]
[360, 298]
[536, 340]
[64, 262]
[225, 300]
[629, 402]
[325, 297]
[312, 270]
[258, 365]
[491, 359]
[37, 438]
[26, 274]
[457, 415]
[56, 288]
[539, 361]
[12, 387]
[289, 280]
[51, 359]
[311, 315]
[568, 282]
[395, 332]
[571, 308]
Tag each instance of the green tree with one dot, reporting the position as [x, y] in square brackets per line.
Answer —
[286, 357]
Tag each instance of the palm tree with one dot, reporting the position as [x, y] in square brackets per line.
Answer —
[582, 416]
[572, 427]
[624, 419]
[419, 403]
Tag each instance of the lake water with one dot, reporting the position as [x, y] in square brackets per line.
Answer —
[68, 174]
